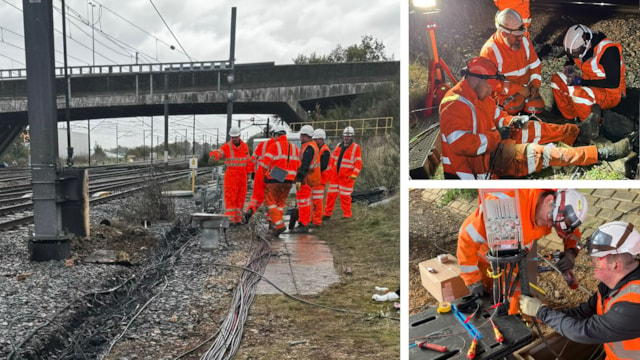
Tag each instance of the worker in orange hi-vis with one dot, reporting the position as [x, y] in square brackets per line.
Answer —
[517, 61]
[281, 163]
[593, 78]
[521, 6]
[307, 177]
[345, 165]
[317, 197]
[540, 211]
[256, 164]
[236, 156]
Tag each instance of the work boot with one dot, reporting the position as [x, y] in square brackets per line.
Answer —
[246, 216]
[326, 218]
[277, 232]
[615, 151]
[300, 229]
[589, 129]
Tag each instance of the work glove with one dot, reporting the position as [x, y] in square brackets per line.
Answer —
[298, 186]
[353, 176]
[567, 260]
[246, 216]
[519, 121]
[569, 70]
[478, 289]
[530, 305]
[576, 80]
[505, 132]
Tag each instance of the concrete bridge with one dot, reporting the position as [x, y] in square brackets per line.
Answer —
[194, 88]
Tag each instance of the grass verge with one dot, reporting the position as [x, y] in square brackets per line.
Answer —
[279, 327]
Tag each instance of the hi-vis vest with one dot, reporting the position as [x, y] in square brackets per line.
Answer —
[325, 175]
[592, 70]
[284, 155]
[627, 349]
[313, 175]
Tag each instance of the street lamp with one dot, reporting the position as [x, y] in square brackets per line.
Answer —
[437, 86]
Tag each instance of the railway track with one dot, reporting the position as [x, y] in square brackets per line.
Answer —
[16, 206]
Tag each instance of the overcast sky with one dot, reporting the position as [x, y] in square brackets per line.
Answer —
[276, 30]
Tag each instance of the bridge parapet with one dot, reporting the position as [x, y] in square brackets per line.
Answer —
[363, 127]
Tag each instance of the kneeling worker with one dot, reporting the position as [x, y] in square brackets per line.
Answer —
[610, 316]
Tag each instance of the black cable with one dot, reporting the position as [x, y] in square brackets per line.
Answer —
[171, 31]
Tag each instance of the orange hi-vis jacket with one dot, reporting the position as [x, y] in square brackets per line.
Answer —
[236, 158]
[325, 175]
[284, 155]
[521, 6]
[313, 174]
[520, 67]
[258, 154]
[472, 237]
[351, 163]
[627, 349]
[593, 70]
[469, 135]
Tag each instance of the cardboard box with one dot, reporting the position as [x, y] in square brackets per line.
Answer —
[444, 281]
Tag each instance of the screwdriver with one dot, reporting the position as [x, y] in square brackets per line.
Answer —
[426, 345]
[472, 349]
[499, 337]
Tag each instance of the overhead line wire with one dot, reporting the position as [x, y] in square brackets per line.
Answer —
[171, 31]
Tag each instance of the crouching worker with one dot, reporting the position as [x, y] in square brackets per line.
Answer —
[610, 316]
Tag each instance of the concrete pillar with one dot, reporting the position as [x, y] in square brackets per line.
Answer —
[49, 239]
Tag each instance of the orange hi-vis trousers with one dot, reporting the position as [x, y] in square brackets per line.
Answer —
[576, 101]
[317, 198]
[303, 200]
[344, 187]
[520, 160]
[276, 198]
[543, 133]
[235, 191]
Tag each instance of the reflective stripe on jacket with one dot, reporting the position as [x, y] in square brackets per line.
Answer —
[325, 175]
[351, 161]
[472, 237]
[258, 154]
[313, 174]
[593, 70]
[284, 155]
[520, 67]
[236, 158]
[627, 349]
[468, 132]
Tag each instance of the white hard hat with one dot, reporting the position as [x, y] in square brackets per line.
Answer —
[510, 21]
[569, 209]
[278, 129]
[306, 130]
[234, 131]
[577, 40]
[616, 237]
[319, 134]
[348, 131]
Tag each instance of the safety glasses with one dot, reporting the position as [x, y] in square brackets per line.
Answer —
[516, 32]
[601, 241]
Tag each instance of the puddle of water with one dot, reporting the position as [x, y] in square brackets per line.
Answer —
[304, 266]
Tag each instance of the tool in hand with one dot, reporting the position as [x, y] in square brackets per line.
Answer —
[472, 349]
[427, 345]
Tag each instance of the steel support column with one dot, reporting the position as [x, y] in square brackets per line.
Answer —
[49, 239]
